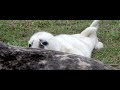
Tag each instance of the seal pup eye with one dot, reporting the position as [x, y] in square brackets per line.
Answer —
[45, 43]
[29, 45]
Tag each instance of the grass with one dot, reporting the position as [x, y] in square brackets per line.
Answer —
[18, 32]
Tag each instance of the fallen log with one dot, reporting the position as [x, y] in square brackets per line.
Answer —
[21, 58]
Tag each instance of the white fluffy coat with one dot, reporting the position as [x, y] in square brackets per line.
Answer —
[80, 44]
